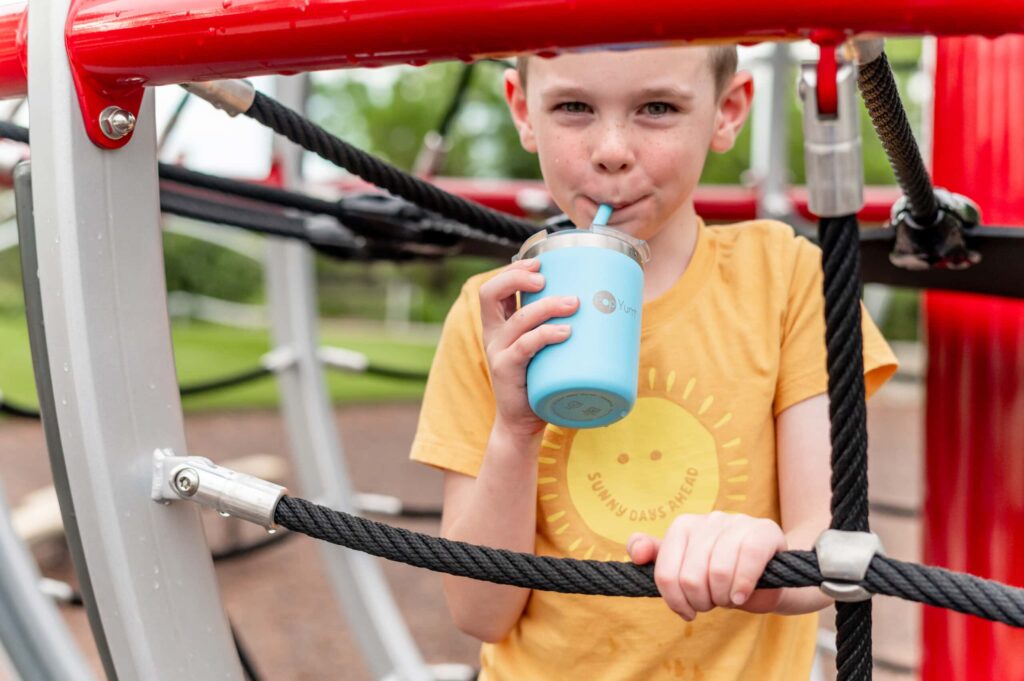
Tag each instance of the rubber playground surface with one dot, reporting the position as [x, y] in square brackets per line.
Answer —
[280, 602]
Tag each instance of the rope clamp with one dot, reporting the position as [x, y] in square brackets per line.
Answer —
[940, 245]
[844, 558]
[226, 491]
[832, 146]
[233, 96]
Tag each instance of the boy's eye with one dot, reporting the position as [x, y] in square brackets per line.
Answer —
[658, 108]
[573, 107]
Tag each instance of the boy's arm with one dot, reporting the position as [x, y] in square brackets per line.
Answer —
[713, 560]
[498, 509]
[804, 469]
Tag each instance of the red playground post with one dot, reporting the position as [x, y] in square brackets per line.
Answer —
[974, 506]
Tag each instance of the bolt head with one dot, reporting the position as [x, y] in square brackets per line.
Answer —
[116, 123]
[186, 482]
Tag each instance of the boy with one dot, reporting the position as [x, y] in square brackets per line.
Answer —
[723, 461]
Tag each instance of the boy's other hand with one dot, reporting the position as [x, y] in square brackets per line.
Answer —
[714, 560]
[512, 337]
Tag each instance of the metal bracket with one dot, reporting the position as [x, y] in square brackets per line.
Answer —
[832, 146]
[941, 245]
[845, 556]
[233, 96]
[228, 492]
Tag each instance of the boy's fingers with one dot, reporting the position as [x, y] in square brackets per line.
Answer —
[496, 292]
[722, 566]
[693, 573]
[754, 555]
[531, 342]
[666, 568]
[533, 315]
[642, 549]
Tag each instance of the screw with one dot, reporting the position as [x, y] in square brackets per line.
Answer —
[186, 482]
[116, 123]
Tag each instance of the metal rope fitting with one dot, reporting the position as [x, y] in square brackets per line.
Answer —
[846, 556]
[832, 148]
[941, 245]
[232, 96]
[228, 492]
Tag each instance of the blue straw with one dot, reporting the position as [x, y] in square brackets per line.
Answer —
[604, 213]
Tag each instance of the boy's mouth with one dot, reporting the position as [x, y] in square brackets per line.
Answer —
[618, 206]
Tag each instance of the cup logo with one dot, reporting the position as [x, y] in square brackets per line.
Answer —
[604, 301]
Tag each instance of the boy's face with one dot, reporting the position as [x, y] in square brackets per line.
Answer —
[631, 129]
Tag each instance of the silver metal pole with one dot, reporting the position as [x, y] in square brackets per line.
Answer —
[32, 631]
[770, 136]
[359, 586]
[103, 350]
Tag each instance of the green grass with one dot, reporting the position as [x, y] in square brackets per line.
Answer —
[206, 351]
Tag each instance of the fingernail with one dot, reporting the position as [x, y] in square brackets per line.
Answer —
[563, 329]
[536, 278]
[739, 598]
[568, 300]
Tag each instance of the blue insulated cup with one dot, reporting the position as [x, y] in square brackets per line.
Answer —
[589, 380]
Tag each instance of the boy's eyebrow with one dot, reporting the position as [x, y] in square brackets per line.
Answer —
[574, 92]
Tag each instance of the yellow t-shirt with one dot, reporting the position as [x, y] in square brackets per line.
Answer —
[736, 340]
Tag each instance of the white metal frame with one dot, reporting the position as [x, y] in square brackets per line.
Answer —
[145, 568]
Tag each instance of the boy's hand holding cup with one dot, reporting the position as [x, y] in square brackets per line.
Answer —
[512, 337]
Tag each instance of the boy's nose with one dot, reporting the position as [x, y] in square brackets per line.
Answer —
[612, 152]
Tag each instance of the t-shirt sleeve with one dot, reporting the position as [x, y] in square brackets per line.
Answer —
[803, 371]
[458, 403]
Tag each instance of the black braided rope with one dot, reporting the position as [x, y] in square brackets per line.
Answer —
[17, 411]
[929, 585]
[241, 378]
[840, 245]
[882, 99]
[313, 138]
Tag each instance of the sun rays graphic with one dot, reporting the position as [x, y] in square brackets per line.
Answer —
[675, 453]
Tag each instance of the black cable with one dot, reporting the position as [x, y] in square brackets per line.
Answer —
[886, 576]
[225, 381]
[882, 99]
[13, 132]
[389, 372]
[17, 411]
[386, 220]
[312, 137]
[191, 205]
[458, 97]
[840, 247]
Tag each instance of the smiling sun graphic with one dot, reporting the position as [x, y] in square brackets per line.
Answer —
[672, 455]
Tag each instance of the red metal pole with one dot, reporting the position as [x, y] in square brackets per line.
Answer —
[974, 506]
[126, 43]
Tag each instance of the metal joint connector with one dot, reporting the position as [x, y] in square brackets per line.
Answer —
[228, 492]
[844, 558]
[864, 50]
[341, 358]
[940, 245]
[231, 96]
[832, 146]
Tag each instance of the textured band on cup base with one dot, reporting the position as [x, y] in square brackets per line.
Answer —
[583, 408]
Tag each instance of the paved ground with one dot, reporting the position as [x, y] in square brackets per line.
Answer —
[277, 598]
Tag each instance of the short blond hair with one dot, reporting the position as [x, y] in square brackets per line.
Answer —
[724, 62]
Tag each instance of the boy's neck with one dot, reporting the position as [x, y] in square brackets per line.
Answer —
[671, 252]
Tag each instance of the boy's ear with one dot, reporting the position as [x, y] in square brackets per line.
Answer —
[515, 97]
[733, 108]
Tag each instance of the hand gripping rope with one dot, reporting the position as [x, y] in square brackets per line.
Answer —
[848, 562]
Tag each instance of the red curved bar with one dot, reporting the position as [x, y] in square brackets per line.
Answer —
[123, 43]
[13, 54]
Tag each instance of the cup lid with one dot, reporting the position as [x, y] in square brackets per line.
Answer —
[596, 236]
